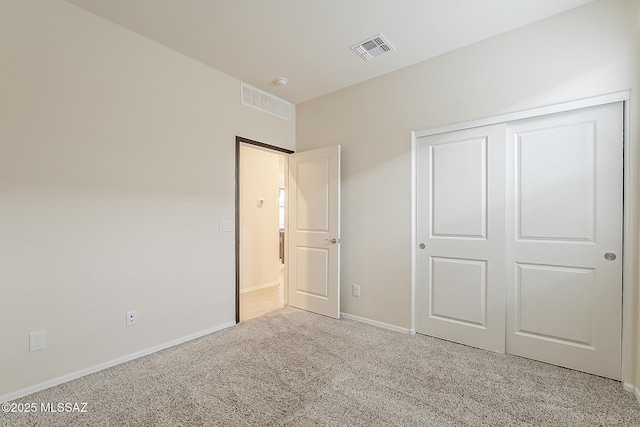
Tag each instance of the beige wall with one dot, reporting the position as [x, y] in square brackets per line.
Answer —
[259, 229]
[117, 154]
[116, 163]
[635, 133]
[586, 52]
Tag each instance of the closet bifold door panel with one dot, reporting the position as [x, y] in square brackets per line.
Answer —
[564, 239]
[460, 289]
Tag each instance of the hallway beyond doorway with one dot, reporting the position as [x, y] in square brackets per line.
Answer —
[261, 301]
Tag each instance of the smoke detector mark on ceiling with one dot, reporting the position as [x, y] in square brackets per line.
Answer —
[372, 47]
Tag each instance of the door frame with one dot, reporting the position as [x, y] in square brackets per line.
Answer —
[277, 150]
[631, 197]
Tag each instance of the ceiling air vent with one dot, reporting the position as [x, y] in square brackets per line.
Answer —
[372, 47]
[263, 101]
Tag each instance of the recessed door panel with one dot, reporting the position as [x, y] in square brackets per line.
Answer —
[555, 303]
[451, 278]
[556, 183]
[459, 188]
[313, 263]
[312, 201]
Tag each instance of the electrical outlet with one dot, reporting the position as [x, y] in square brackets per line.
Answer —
[355, 290]
[132, 318]
[37, 340]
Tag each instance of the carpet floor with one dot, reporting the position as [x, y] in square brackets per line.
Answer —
[294, 368]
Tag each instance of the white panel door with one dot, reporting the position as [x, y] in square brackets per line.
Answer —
[314, 231]
[564, 193]
[460, 225]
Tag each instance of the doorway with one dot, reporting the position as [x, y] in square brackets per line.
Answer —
[260, 225]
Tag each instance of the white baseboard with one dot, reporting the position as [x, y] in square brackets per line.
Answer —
[633, 390]
[255, 288]
[376, 323]
[105, 365]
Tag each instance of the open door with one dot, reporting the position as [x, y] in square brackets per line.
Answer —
[314, 231]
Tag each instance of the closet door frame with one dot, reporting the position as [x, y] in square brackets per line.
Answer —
[631, 197]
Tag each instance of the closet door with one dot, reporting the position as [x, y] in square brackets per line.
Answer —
[564, 239]
[460, 225]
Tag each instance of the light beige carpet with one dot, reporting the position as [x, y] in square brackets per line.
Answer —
[294, 368]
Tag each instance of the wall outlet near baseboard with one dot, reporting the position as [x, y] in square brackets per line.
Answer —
[132, 318]
[37, 340]
[355, 290]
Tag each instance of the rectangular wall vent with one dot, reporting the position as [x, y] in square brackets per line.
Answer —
[263, 101]
[372, 47]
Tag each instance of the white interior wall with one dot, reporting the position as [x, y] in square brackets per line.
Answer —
[585, 52]
[259, 230]
[116, 163]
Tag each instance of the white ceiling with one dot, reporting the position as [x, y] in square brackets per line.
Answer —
[308, 41]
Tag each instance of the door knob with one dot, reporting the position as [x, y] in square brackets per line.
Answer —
[422, 246]
[332, 241]
[609, 256]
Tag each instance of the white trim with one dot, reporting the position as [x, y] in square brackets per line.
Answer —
[376, 323]
[633, 390]
[526, 114]
[414, 228]
[286, 232]
[629, 245]
[255, 288]
[109, 364]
